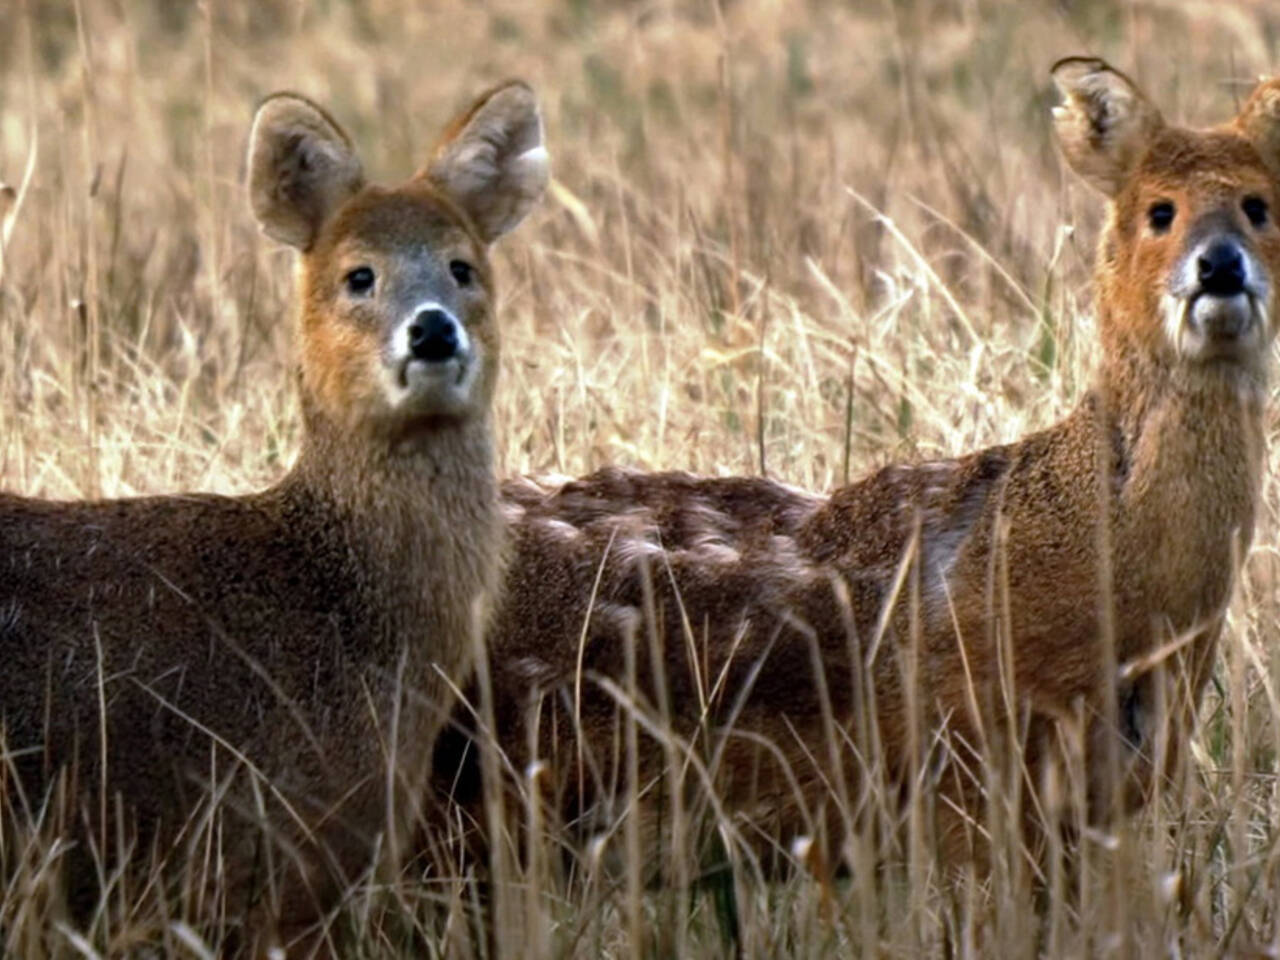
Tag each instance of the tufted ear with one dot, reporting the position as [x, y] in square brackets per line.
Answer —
[1104, 122]
[491, 160]
[1259, 120]
[301, 168]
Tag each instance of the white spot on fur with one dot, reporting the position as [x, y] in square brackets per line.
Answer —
[632, 550]
[543, 486]
[801, 847]
[535, 670]
[596, 848]
[714, 551]
[708, 516]
[784, 554]
[559, 529]
[512, 513]
[623, 618]
[711, 543]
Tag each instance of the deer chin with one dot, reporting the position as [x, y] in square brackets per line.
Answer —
[421, 388]
[1207, 327]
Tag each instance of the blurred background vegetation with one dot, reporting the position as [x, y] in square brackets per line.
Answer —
[749, 193]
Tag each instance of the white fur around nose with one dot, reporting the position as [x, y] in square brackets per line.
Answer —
[1176, 303]
[1187, 275]
[401, 340]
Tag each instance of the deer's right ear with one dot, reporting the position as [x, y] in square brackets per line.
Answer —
[301, 168]
[1104, 122]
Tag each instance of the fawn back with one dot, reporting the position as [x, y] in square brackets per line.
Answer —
[274, 665]
[1068, 588]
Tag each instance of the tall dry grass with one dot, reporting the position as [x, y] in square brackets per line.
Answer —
[797, 239]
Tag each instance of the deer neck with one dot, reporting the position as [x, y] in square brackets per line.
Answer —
[1189, 448]
[1200, 422]
[416, 512]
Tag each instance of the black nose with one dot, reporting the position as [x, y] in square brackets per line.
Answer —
[1221, 269]
[433, 336]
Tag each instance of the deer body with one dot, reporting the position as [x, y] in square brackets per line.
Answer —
[302, 617]
[895, 599]
[269, 670]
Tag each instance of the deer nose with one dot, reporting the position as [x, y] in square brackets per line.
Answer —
[1221, 269]
[433, 336]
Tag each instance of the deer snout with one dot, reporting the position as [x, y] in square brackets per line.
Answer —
[431, 338]
[434, 336]
[431, 362]
[1223, 305]
[1217, 300]
[1221, 269]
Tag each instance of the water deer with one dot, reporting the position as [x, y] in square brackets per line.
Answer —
[266, 673]
[784, 647]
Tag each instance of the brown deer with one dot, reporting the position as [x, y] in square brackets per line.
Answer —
[275, 664]
[791, 644]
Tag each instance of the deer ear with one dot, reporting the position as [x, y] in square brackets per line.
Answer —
[1259, 121]
[1104, 122]
[301, 168]
[491, 160]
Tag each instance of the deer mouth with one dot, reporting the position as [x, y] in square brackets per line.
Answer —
[1220, 318]
[413, 374]
[1210, 326]
[427, 388]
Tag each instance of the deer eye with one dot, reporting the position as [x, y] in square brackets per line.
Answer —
[463, 272]
[1160, 216]
[360, 280]
[1255, 208]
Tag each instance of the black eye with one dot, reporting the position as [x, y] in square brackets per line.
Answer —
[1160, 216]
[1255, 208]
[360, 280]
[462, 271]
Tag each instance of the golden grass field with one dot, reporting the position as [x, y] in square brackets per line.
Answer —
[802, 239]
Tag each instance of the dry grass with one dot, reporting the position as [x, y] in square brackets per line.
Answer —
[803, 239]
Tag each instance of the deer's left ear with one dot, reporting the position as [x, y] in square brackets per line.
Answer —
[1259, 120]
[491, 160]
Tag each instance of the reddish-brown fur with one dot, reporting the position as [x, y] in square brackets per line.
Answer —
[1128, 520]
[295, 644]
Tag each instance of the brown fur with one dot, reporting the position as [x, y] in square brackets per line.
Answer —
[766, 599]
[295, 644]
